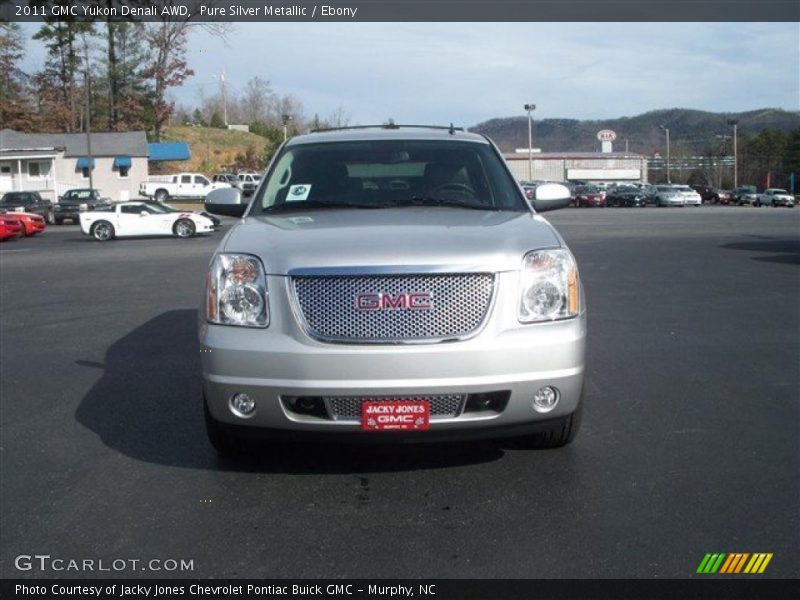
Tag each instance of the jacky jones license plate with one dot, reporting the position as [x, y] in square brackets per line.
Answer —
[405, 415]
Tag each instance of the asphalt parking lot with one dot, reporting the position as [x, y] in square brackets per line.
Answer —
[689, 442]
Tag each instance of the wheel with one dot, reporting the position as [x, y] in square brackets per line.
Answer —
[561, 433]
[103, 231]
[184, 228]
[161, 195]
[222, 436]
[51, 217]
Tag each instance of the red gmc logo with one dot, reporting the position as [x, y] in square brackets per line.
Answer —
[383, 301]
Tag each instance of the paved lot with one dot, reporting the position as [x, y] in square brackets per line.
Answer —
[689, 445]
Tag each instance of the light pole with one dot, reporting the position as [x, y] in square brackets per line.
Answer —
[530, 108]
[666, 130]
[626, 145]
[285, 118]
[735, 124]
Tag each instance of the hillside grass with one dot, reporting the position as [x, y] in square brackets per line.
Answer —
[213, 150]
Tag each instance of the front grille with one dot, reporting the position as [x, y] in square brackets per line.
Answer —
[349, 408]
[459, 305]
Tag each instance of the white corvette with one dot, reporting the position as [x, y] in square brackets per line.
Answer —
[138, 218]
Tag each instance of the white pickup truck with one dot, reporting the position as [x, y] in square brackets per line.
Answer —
[181, 185]
[774, 197]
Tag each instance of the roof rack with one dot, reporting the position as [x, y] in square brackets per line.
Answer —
[390, 125]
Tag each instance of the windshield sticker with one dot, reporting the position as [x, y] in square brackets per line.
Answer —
[298, 192]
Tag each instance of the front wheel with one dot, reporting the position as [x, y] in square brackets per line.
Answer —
[184, 228]
[561, 433]
[51, 218]
[103, 231]
[161, 195]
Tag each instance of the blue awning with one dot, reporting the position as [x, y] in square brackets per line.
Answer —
[122, 162]
[84, 162]
[168, 151]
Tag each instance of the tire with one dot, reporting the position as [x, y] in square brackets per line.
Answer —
[561, 433]
[184, 228]
[103, 231]
[222, 436]
[161, 195]
[51, 217]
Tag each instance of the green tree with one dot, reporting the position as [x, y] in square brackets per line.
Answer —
[216, 121]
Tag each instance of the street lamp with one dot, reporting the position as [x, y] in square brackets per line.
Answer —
[735, 124]
[285, 118]
[530, 108]
[666, 130]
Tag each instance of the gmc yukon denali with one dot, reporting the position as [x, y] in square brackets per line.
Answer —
[391, 284]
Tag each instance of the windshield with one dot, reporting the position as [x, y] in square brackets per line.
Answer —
[17, 198]
[389, 173]
[79, 195]
[162, 207]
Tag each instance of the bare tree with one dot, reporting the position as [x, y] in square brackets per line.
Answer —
[258, 96]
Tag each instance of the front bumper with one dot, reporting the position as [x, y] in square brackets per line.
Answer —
[279, 362]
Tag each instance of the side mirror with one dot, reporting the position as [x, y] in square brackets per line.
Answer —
[225, 201]
[550, 196]
[144, 213]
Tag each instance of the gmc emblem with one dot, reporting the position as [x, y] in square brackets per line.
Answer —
[383, 301]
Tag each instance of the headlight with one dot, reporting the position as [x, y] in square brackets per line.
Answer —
[549, 286]
[236, 291]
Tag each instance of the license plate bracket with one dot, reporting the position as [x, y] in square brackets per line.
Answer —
[400, 415]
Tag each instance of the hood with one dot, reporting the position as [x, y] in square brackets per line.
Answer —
[468, 240]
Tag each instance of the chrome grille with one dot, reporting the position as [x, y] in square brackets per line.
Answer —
[327, 303]
[349, 408]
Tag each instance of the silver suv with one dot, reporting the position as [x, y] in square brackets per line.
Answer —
[391, 283]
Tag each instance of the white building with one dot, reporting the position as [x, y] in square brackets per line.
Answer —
[52, 163]
[579, 166]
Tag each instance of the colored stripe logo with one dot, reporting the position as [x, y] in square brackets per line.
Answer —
[734, 563]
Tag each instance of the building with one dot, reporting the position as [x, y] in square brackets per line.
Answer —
[579, 166]
[52, 163]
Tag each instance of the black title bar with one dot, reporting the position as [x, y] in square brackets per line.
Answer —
[404, 10]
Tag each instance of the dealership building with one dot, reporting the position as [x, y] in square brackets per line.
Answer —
[595, 167]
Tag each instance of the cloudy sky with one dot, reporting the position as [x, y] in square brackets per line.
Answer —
[469, 72]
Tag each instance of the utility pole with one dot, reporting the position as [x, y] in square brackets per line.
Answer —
[530, 108]
[735, 124]
[224, 98]
[666, 130]
[626, 145]
[286, 118]
[86, 85]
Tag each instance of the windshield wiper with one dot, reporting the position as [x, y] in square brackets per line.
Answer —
[314, 204]
[432, 201]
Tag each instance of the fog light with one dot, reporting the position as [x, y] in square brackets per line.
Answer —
[545, 399]
[242, 405]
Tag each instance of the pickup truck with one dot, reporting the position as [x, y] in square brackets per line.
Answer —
[774, 197]
[73, 202]
[181, 185]
[249, 182]
[29, 202]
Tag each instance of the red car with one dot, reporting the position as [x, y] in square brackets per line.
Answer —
[9, 227]
[31, 223]
[589, 195]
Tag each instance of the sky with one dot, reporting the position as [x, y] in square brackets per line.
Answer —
[465, 73]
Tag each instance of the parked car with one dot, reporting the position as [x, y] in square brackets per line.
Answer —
[167, 208]
[10, 227]
[73, 202]
[181, 185]
[589, 195]
[712, 195]
[744, 194]
[625, 195]
[444, 310]
[774, 197]
[30, 202]
[229, 178]
[139, 219]
[249, 182]
[667, 195]
[690, 197]
[31, 223]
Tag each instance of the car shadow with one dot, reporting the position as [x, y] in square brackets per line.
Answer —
[782, 251]
[147, 405]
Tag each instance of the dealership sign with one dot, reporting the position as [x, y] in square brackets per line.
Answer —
[606, 135]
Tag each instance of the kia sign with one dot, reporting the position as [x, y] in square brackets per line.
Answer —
[606, 135]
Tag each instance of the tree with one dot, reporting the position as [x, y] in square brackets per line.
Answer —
[216, 120]
[63, 64]
[14, 111]
[258, 96]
